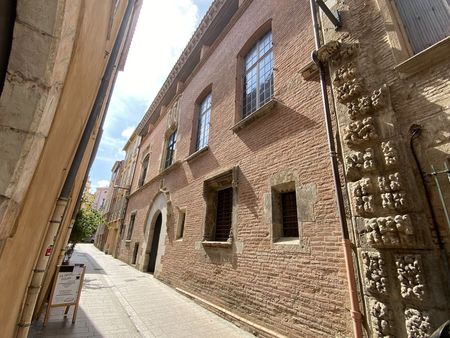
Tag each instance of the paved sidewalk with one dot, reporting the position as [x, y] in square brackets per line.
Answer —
[119, 301]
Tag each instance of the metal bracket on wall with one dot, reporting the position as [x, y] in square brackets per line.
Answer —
[333, 16]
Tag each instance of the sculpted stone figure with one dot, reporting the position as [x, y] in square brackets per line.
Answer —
[360, 131]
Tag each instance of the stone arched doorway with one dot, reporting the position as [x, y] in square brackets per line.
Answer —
[155, 231]
[154, 245]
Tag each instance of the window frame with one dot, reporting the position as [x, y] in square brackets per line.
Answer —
[131, 223]
[144, 170]
[221, 181]
[256, 66]
[201, 113]
[169, 149]
[181, 224]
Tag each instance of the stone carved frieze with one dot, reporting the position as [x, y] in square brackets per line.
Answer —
[172, 121]
[359, 162]
[390, 154]
[417, 324]
[360, 131]
[410, 275]
[365, 105]
[344, 73]
[381, 318]
[375, 273]
[363, 196]
[390, 231]
[390, 183]
[335, 52]
[348, 90]
[393, 196]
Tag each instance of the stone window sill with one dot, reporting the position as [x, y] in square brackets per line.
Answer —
[193, 156]
[127, 242]
[287, 241]
[256, 115]
[426, 58]
[216, 244]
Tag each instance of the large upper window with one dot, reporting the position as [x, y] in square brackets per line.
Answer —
[425, 21]
[170, 149]
[258, 75]
[203, 123]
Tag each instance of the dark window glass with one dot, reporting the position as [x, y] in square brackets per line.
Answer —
[203, 123]
[425, 21]
[289, 212]
[135, 252]
[224, 214]
[144, 171]
[131, 226]
[258, 75]
[170, 150]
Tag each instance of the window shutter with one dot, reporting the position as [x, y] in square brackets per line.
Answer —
[426, 21]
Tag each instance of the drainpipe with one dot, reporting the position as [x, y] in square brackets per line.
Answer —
[347, 245]
[415, 131]
[62, 202]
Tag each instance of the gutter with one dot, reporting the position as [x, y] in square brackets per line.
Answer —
[346, 243]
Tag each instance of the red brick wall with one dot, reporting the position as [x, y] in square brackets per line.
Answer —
[297, 293]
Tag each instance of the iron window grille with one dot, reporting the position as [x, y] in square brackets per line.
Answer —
[289, 214]
[203, 123]
[258, 75]
[223, 214]
[170, 149]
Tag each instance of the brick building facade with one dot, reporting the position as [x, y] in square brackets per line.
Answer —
[233, 201]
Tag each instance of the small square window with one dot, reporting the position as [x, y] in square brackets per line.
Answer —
[219, 193]
[284, 211]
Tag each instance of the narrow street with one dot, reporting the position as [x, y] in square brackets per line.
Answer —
[119, 301]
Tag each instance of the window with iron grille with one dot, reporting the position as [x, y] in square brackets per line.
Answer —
[170, 149]
[223, 214]
[258, 75]
[289, 214]
[144, 170]
[131, 226]
[219, 192]
[425, 21]
[203, 123]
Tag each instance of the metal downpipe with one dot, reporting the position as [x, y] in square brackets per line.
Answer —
[41, 265]
[347, 245]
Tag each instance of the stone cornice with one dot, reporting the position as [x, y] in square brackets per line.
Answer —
[211, 14]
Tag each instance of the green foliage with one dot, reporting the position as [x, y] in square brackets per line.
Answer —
[87, 220]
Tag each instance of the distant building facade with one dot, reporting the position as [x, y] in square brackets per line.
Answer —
[100, 197]
[233, 201]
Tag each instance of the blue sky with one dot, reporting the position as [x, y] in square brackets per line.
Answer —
[163, 30]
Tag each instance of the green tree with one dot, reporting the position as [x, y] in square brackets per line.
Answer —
[87, 220]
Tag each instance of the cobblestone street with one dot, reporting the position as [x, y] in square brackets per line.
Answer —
[119, 301]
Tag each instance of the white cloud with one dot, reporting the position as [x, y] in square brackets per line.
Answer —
[127, 132]
[99, 184]
[162, 32]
